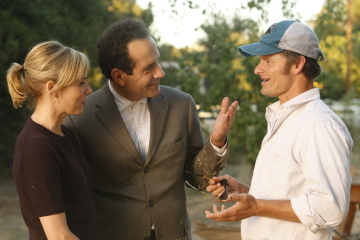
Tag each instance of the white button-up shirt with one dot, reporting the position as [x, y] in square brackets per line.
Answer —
[136, 116]
[305, 158]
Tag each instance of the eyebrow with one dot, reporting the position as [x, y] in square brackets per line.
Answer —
[265, 57]
[149, 66]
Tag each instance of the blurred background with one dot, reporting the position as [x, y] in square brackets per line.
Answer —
[198, 43]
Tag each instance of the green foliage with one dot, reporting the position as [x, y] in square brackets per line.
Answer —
[227, 73]
[330, 29]
[250, 125]
[287, 7]
[355, 13]
[118, 9]
[187, 79]
[331, 20]
[215, 70]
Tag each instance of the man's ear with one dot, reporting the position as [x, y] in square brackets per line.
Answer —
[118, 76]
[300, 64]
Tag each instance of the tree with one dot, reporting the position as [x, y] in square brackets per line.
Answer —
[355, 13]
[33, 22]
[330, 26]
[216, 69]
[179, 7]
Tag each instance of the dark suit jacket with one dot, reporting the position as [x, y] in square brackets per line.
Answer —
[131, 195]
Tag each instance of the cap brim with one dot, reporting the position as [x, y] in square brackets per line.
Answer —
[258, 49]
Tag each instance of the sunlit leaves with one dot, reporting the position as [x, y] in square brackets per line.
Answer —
[215, 70]
[330, 28]
[355, 11]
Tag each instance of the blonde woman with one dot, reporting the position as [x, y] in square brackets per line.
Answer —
[52, 178]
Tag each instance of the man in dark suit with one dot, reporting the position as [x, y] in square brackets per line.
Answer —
[140, 138]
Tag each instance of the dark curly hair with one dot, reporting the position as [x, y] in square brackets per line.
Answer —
[112, 45]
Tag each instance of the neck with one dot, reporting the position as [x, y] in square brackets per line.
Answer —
[300, 85]
[47, 117]
[123, 92]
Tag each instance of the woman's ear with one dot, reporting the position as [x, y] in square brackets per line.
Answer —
[49, 86]
[52, 94]
[118, 76]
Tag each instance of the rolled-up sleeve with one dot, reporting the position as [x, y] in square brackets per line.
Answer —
[325, 162]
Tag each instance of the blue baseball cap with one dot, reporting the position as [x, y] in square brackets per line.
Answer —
[285, 35]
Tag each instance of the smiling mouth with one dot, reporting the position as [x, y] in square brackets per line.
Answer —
[154, 84]
[265, 80]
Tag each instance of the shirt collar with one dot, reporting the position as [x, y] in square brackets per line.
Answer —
[122, 102]
[307, 96]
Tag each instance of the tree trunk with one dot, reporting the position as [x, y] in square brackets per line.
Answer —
[348, 47]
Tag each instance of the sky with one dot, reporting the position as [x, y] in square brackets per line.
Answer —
[180, 31]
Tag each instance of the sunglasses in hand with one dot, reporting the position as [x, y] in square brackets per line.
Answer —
[224, 196]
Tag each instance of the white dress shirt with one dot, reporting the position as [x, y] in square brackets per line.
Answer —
[136, 116]
[305, 158]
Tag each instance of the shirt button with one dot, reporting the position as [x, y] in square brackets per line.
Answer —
[151, 203]
[146, 169]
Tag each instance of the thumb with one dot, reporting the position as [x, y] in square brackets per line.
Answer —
[234, 197]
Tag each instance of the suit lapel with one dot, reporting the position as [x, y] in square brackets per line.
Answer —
[110, 117]
[158, 110]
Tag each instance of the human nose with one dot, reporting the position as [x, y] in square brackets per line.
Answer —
[258, 69]
[88, 89]
[159, 73]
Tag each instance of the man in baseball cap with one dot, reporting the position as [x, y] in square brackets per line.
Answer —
[301, 181]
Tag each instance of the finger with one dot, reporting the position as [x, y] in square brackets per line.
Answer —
[231, 114]
[224, 105]
[232, 109]
[215, 209]
[212, 181]
[218, 192]
[234, 105]
[219, 216]
[212, 188]
[222, 207]
[234, 197]
[227, 120]
[217, 179]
